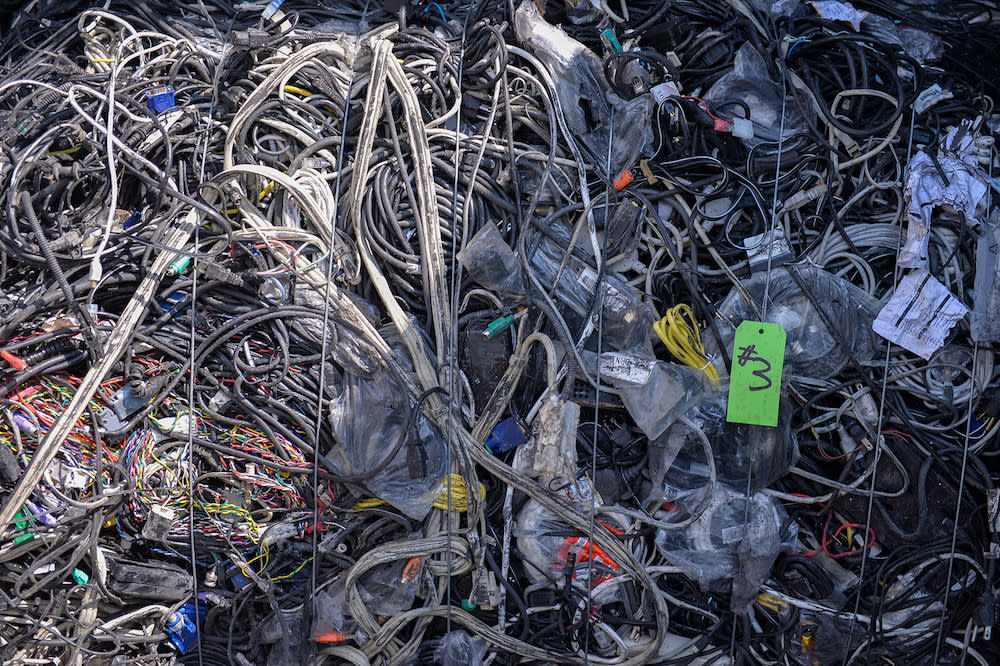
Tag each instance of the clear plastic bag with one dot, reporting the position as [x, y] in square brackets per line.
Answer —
[733, 538]
[490, 262]
[750, 82]
[459, 648]
[389, 589]
[346, 348]
[921, 45]
[331, 614]
[677, 459]
[285, 634]
[654, 392]
[608, 127]
[548, 545]
[626, 320]
[811, 350]
[369, 415]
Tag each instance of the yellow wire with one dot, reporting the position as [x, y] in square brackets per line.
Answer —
[459, 497]
[298, 91]
[67, 151]
[679, 333]
[295, 571]
[263, 555]
[264, 192]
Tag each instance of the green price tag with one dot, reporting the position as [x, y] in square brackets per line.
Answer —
[755, 379]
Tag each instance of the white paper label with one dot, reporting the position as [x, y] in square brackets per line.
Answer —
[930, 97]
[919, 315]
[926, 190]
[626, 368]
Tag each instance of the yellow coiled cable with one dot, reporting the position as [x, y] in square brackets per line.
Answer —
[679, 333]
[459, 497]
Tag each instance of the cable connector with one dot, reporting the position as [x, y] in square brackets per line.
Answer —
[623, 180]
[742, 128]
[610, 41]
[178, 266]
[984, 616]
[498, 326]
[250, 39]
[160, 99]
[506, 435]
[214, 271]
[271, 9]
[664, 91]
[485, 591]
[802, 197]
[182, 625]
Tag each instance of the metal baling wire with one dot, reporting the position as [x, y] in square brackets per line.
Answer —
[965, 461]
[763, 316]
[452, 440]
[881, 412]
[958, 507]
[599, 295]
[192, 424]
[321, 391]
[192, 418]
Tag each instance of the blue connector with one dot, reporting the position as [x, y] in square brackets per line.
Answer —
[160, 99]
[506, 435]
[182, 625]
[132, 220]
[236, 578]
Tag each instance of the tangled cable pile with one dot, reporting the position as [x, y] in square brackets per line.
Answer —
[403, 334]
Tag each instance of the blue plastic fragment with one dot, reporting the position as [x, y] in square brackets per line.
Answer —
[506, 435]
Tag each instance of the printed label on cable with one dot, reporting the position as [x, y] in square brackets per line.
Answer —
[764, 246]
[733, 534]
[614, 300]
[919, 315]
[626, 368]
[755, 378]
[930, 97]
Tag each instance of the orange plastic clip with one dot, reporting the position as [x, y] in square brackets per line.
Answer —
[623, 180]
[411, 569]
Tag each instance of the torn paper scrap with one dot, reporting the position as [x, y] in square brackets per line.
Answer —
[840, 11]
[920, 314]
[961, 188]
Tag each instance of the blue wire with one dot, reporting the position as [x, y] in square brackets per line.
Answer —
[792, 47]
[434, 4]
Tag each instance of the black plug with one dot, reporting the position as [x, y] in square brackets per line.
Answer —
[985, 615]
